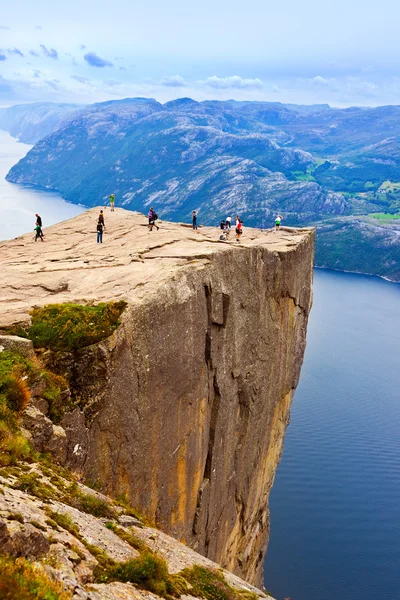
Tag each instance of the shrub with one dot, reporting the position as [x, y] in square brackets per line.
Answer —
[16, 392]
[13, 445]
[148, 571]
[20, 580]
[55, 386]
[64, 521]
[94, 506]
[212, 585]
[32, 484]
[71, 326]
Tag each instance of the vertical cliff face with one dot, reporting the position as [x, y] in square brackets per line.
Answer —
[184, 408]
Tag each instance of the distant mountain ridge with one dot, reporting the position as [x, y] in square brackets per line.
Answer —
[214, 156]
[31, 122]
[312, 163]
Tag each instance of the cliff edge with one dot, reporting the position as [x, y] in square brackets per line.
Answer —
[183, 408]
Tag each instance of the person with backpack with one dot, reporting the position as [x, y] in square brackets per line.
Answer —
[112, 202]
[239, 230]
[152, 215]
[101, 218]
[100, 228]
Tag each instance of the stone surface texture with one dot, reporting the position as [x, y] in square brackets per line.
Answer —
[26, 530]
[184, 408]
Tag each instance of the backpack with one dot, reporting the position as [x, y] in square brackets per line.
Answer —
[155, 216]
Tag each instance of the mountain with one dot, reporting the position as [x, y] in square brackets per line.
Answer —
[31, 122]
[218, 157]
[314, 164]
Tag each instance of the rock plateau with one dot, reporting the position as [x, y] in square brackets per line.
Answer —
[183, 409]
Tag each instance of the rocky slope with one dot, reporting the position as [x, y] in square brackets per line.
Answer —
[183, 408]
[213, 156]
[32, 122]
[77, 543]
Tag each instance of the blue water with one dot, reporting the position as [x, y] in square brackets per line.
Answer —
[19, 204]
[335, 504]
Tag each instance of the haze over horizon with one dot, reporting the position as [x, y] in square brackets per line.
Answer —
[86, 52]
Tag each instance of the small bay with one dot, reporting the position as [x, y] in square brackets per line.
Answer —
[335, 510]
[19, 204]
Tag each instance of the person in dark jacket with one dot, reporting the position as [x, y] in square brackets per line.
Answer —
[100, 228]
[194, 219]
[101, 218]
[152, 215]
[39, 220]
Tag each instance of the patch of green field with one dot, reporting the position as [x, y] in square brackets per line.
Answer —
[390, 186]
[384, 216]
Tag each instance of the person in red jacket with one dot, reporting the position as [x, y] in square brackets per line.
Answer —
[239, 230]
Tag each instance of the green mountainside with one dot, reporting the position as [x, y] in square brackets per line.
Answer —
[313, 164]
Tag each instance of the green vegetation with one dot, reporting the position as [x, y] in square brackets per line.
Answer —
[32, 484]
[132, 539]
[212, 585]
[16, 517]
[71, 326]
[55, 395]
[94, 506]
[64, 521]
[20, 580]
[149, 572]
[301, 176]
[390, 186]
[15, 373]
[384, 216]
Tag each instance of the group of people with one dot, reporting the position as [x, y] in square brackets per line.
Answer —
[226, 226]
[100, 227]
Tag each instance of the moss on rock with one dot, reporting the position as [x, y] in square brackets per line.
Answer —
[71, 326]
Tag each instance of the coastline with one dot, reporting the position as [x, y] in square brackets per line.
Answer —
[356, 273]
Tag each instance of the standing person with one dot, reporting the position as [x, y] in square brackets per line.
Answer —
[278, 222]
[39, 232]
[101, 218]
[39, 222]
[237, 221]
[152, 215]
[100, 228]
[194, 219]
[112, 202]
[228, 223]
[239, 230]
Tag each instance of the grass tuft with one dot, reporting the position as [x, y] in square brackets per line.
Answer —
[64, 521]
[20, 580]
[71, 326]
[212, 585]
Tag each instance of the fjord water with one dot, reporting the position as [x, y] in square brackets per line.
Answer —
[335, 504]
[19, 204]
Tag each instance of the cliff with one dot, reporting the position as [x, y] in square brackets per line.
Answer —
[183, 408]
[76, 544]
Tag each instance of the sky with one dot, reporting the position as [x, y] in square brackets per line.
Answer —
[343, 53]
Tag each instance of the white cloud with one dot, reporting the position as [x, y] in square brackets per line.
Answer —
[318, 80]
[174, 81]
[233, 82]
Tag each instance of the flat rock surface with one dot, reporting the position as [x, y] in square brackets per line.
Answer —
[70, 266]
